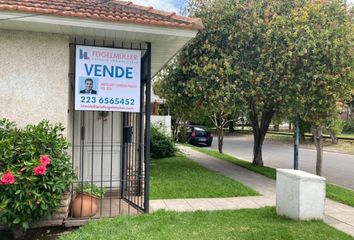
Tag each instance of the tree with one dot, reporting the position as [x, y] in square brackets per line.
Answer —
[334, 127]
[289, 57]
[172, 95]
[200, 74]
[195, 92]
[323, 56]
[260, 56]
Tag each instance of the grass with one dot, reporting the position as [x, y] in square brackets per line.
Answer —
[266, 171]
[348, 135]
[340, 194]
[341, 147]
[334, 192]
[179, 177]
[240, 224]
[291, 133]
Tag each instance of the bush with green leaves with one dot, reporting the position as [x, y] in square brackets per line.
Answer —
[162, 145]
[182, 135]
[90, 190]
[349, 126]
[35, 172]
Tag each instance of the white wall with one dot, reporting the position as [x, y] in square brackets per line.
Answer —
[163, 122]
[34, 78]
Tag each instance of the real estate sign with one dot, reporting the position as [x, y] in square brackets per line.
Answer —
[107, 79]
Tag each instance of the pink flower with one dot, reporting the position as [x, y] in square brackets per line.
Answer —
[40, 170]
[45, 160]
[8, 178]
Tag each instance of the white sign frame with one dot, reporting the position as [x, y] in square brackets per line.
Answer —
[107, 79]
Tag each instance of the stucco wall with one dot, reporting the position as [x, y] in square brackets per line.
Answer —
[163, 122]
[34, 82]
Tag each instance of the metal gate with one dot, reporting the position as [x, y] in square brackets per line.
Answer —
[111, 150]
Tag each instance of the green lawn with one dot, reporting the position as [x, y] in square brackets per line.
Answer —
[241, 224]
[333, 192]
[347, 135]
[343, 146]
[179, 177]
[266, 171]
[340, 194]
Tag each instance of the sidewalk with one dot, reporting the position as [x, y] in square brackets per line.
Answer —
[337, 215]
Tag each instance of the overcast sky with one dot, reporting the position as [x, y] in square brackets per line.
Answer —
[166, 5]
[173, 5]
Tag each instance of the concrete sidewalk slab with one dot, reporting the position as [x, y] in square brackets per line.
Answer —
[210, 204]
[260, 183]
[340, 216]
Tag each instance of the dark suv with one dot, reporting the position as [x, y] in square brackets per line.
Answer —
[199, 135]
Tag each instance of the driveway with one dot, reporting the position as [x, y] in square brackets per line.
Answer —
[337, 168]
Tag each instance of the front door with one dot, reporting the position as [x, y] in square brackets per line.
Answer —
[98, 149]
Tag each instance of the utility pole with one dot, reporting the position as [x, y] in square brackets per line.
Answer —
[296, 142]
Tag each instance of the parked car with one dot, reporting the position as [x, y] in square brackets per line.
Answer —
[199, 135]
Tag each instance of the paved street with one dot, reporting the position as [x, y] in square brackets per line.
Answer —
[337, 168]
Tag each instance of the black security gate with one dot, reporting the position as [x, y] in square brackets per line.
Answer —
[111, 150]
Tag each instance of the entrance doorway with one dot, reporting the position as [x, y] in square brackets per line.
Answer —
[100, 141]
[111, 149]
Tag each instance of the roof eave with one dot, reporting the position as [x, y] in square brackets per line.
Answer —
[160, 29]
[189, 23]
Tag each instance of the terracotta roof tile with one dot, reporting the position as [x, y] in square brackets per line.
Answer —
[105, 10]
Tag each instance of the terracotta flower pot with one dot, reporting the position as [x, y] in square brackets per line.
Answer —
[84, 206]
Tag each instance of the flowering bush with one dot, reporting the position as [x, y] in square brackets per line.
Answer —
[35, 171]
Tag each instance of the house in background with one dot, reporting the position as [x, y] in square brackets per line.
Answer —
[48, 50]
[162, 121]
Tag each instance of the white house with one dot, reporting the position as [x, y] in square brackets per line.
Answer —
[49, 48]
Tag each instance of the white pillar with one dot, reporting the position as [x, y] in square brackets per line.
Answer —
[300, 195]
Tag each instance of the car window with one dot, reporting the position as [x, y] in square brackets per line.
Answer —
[199, 129]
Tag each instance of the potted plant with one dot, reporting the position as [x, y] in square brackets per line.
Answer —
[85, 203]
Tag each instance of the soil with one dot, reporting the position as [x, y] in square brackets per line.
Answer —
[39, 234]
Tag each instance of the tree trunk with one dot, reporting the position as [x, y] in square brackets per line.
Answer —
[220, 139]
[231, 127]
[257, 148]
[318, 139]
[290, 127]
[219, 123]
[174, 126]
[333, 136]
[276, 127]
[260, 129]
[302, 137]
[242, 123]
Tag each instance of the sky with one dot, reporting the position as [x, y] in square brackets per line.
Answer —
[166, 5]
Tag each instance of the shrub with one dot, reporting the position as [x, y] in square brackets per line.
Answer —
[35, 171]
[91, 190]
[182, 135]
[349, 126]
[161, 145]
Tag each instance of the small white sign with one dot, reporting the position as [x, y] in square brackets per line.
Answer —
[107, 79]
